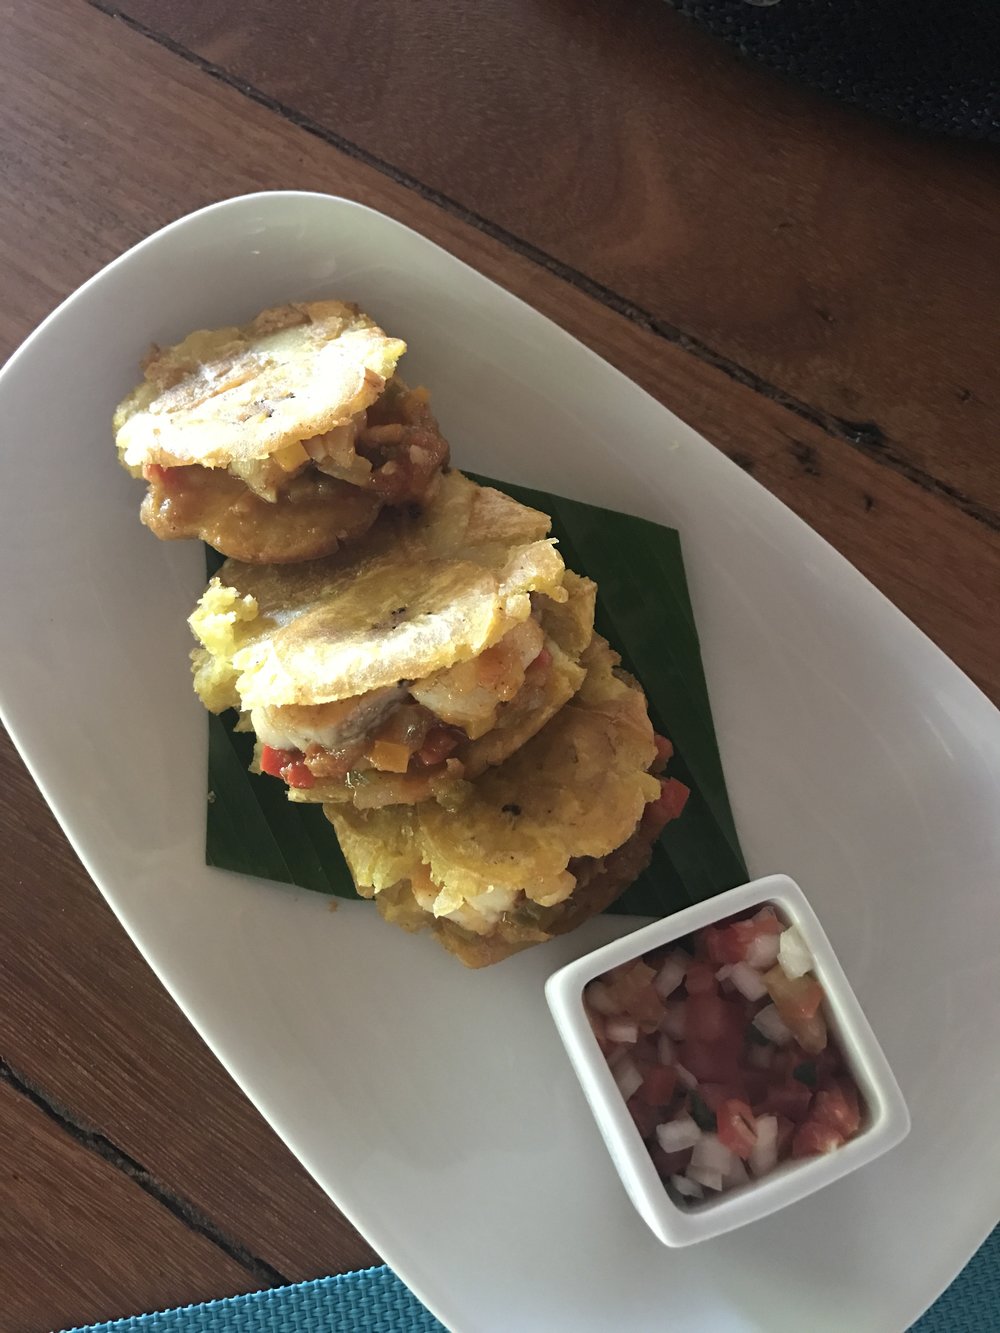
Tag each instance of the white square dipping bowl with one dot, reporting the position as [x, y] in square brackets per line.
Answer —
[886, 1121]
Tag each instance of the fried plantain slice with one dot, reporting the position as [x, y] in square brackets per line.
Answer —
[232, 396]
[505, 867]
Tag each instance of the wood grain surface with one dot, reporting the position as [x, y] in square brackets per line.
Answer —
[76, 1222]
[141, 1175]
[846, 265]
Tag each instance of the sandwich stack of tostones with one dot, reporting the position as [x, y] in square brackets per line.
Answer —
[407, 646]
[402, 669]
[281, 439]
[487, 766]
[549, 838]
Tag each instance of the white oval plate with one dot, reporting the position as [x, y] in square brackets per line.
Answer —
[436, 1105]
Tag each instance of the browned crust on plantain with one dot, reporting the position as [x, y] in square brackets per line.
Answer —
[599, 884]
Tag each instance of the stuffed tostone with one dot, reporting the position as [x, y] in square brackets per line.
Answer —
[400, 670]
[542, 842]
[279, 440]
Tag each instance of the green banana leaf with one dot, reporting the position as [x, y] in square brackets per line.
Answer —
[644, 611]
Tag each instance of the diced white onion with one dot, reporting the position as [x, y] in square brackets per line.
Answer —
[766, 914]
[736, 1175]
[712, 1154]
[685, 1077]
[599, 997]
[760, 1057]
[762, 952]
[690, 1188]
[747, 981]
[665, 1052]
[793, 953]
[627, 1077]
[764, 1157]
[712, 1180]
[616, 1055]
[723, 971]
[670, 975]
[677, 1135]
[622, 1029]
[773, 1026]
[674, 1020]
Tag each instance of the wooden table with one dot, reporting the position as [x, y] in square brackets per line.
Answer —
[815, 291]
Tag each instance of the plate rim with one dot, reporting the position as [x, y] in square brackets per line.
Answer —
[423, 1284]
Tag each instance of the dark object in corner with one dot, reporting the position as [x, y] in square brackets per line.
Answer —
[932, 64]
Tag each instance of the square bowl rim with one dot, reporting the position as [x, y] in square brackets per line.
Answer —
[671, 1223]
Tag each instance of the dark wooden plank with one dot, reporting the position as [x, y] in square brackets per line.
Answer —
[853, 265]
[76, 192]
[89, 1025]
[85, 1022]
[80, 1241]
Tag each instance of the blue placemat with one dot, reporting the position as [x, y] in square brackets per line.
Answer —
[372, 1301]
[375, 1301]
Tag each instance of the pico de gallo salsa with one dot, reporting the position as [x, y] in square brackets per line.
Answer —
[720, 1046]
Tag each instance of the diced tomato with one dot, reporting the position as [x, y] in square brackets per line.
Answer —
[837, 1106]
[440, 743]
[737, 1127]
[813, 1138]
[670, 1163]
[706, 1017]
[717, 1063]
[673, 797]
[646, 1117]
[798, 1001]
[708, 1031]
[658, 1086]
[287, 765]
[664, 751]
[711, 1018]
[667, 806]
[272, 761]
[741, 935]
[791, 1099]
[700, 979]
[731, 944]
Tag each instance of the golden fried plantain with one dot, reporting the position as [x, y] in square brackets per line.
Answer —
[238, 394]
[504, 868]
[418, 594]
